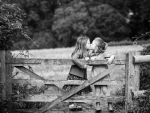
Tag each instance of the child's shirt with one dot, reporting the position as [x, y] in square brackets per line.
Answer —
[79, 68]
[97, 69]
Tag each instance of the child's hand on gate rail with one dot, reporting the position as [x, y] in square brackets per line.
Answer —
[110, 60]
[87, 58]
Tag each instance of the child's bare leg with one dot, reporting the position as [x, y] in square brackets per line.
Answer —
[98, 94]
[110, 106]
[98, 91]
[98, 107]
[92, 86]
[106, 91]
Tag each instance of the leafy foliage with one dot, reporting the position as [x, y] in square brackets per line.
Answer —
[145, 71]
[113, 20]
[81, 18]
[39, 14]
[144, 103]
[140, 20]
[22, 91]
[19, 93]
[11, 29]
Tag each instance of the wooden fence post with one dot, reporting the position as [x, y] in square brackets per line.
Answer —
[131, 80]
[136, 74]
[136, 79]
[3, 74]
[8, 75]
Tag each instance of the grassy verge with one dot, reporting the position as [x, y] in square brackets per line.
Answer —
[127, 42]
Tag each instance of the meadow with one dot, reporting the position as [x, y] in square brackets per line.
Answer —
[51, 72]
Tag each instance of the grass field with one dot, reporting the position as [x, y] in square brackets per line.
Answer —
[51, 72]
[66, 52]
[60, 72]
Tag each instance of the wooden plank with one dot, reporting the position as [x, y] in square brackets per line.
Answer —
[61, 83]
[86, 99]
[75, 90]
[8, 75]
[131, 80]
[29, 72]
[64, 110]
[27, 81]
[25, 61]
[136, 80]
[64, 82]
[141, 93]
[141, 59]
[3, 74]
[136, 74]
[78, 82]
[21, 61]
[60, 111]
[98, 62]
[128, 68]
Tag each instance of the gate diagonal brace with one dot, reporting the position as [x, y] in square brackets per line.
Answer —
[72, 92]
[29, 72]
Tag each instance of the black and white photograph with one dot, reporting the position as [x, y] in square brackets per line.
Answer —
[74, 56]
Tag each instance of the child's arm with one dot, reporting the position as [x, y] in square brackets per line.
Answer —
[76, 61]
[87, 58]
[98, 57]
[110, 59]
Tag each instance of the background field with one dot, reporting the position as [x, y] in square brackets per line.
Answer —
[51, 72]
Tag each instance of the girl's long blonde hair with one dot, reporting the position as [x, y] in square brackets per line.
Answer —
[80, 45]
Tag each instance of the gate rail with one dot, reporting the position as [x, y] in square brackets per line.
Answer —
[132, 70]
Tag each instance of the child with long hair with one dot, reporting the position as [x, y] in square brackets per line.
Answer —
[79, 70]
[81, 51]
[98, 54]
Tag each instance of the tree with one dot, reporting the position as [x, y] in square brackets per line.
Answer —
[80, 18]
[140, 18]
[110, 19]
[109, 23]
[11, 29]
[39, 19]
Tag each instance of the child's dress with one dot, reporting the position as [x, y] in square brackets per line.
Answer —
[98, 69]
[77, 71]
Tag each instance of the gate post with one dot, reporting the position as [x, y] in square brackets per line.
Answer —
[3, 75]
[131, 80]
[8, 75]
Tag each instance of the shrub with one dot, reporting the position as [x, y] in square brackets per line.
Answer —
[11, 29]
[11, 32]
[144, 103]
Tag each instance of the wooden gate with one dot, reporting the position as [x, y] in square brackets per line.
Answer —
[7, 62]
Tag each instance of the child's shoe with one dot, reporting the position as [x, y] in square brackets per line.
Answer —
[110, 107]
[72, 106]
[98, 107]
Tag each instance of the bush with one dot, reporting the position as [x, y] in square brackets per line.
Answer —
[144, 103]
[11, 29]
[11, 32]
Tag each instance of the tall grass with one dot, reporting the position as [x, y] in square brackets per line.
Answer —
[128, 42]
